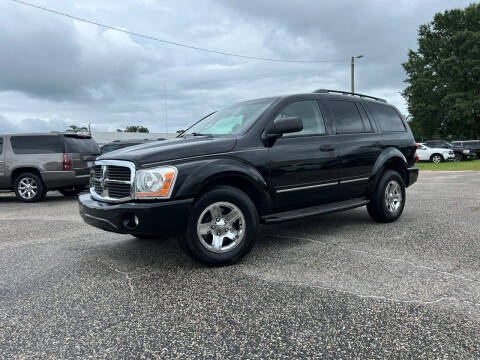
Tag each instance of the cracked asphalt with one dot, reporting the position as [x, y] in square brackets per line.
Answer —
[336, 286]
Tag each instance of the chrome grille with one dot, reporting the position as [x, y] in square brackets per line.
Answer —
[112, 180]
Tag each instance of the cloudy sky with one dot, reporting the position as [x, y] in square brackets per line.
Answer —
[55, 71]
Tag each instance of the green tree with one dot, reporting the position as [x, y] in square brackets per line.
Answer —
[136, 128]
[76, 129]
[443, 94]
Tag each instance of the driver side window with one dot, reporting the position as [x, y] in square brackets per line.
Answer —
[310, 114]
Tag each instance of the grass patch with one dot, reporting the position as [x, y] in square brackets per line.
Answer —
[470, 165]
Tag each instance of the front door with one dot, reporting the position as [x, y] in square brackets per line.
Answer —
[303, 165]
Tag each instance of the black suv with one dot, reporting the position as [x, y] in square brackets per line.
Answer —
[259, 161]
[460, 151]
[473, 146]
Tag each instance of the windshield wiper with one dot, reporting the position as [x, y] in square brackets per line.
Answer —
[198, 134]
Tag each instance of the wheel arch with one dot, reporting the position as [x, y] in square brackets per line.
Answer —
[390, 159]
[229, 172]
[24, 169]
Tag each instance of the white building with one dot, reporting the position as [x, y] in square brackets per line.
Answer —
[104, 137]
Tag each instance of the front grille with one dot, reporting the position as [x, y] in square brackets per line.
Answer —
[112, 180]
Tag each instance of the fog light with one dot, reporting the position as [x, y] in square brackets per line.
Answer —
[130, 221]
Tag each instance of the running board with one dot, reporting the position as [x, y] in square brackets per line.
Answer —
[314, 210]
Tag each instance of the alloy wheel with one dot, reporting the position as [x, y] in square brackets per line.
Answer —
[437, 159]
[393, 196]
[27, 188]
[221, 227]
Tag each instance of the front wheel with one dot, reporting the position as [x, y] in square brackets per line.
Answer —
[458, 157]
[222, 226]
[436, 158]
[388, 200]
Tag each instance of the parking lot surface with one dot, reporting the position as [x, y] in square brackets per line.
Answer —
[334, 286]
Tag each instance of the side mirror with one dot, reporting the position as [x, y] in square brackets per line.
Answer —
[280, 127]
[288, 125]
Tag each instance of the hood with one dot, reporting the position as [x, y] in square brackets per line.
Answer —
[158, 151]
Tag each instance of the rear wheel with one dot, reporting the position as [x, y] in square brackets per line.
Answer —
[29, 187]
[388, 200]
[222, 226]
[436, 158]
[71, 190]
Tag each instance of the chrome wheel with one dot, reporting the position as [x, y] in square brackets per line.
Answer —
[27, 188]
[221, 227]
[437, 159]
[393, 196]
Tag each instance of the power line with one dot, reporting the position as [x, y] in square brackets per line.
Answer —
[176, 43]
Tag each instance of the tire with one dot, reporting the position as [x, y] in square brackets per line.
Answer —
[29, 187]
[458, 157]
[233, 215]
[382, 206]
[436, 158]
[71, 191]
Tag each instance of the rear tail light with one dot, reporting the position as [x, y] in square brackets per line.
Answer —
[67, 162]
[417, 158]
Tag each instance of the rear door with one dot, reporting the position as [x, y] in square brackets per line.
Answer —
[358, 144]
[83, 151]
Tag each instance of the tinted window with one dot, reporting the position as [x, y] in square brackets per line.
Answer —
[1, 145]
[81, 145]
[347, 117]
[37, 144]
[387, 118]
[366, 121]
[310, 114]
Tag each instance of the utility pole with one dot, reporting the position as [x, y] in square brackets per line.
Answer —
[353, 71]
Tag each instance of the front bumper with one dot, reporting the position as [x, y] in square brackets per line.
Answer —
[153, 217]
[412, 175]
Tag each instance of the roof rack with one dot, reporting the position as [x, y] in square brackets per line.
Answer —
[325, 91]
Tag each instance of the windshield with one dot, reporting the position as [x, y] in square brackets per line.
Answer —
[232, 120]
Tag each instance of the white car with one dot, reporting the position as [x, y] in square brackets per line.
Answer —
[435, 155]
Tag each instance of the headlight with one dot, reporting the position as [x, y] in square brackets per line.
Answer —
[466, 151]
[155, 183]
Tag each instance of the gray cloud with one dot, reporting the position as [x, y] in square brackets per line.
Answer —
[66, 72]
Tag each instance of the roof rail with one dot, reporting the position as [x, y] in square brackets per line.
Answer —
[325, 91]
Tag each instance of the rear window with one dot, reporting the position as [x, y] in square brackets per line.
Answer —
[347, 117]
[81, 145]
[37, 144]
[387, 118]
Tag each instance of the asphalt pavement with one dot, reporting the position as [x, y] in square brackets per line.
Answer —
[335, 286]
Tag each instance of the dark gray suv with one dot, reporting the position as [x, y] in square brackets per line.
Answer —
[32, 164]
